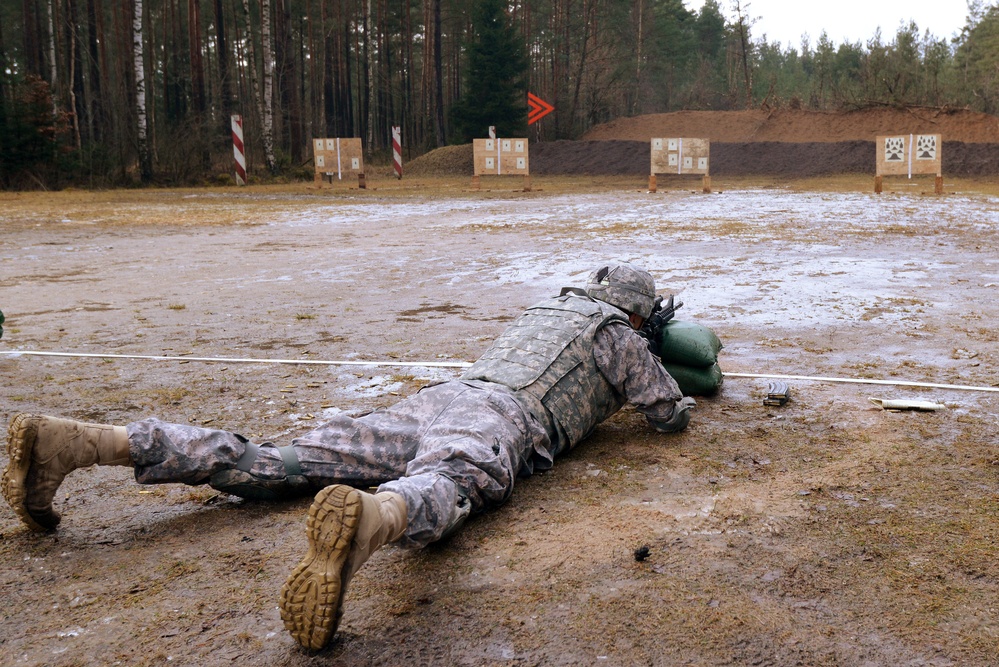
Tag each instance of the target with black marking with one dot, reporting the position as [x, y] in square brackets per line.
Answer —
[894, 149]
[909, 155]
[926, 147]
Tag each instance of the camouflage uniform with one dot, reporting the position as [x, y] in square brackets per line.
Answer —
[455, 448]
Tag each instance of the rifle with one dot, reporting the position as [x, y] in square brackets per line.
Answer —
[661, 314]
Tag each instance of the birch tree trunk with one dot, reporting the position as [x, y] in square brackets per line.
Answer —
[268, 107]
[145, 158]
[74, 82]
[258, 103]
[53, 69]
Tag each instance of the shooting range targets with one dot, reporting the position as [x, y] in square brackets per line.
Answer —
[894, 149]
[676, 156]
[926, 147]
[909, 155]
[500, 157]
[337, 157]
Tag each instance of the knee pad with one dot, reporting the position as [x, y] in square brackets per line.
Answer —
[241, 482]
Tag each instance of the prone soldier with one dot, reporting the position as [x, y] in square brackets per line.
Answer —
[448, 452]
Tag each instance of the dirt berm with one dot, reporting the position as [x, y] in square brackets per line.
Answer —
[778, 143]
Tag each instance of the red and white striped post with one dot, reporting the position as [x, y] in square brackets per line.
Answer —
[237, 149]
[397, 151]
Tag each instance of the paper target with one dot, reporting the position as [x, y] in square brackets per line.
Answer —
[926, 147]
[895, 149]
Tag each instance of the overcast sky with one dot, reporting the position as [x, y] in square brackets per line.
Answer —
[785, 21]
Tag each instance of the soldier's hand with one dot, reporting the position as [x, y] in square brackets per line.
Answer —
[680, 418]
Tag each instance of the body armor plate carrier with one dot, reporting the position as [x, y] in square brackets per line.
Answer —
[546, 357]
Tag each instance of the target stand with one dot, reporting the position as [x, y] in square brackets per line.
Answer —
[501, 157]
[680, 157]
[336, 158]
[909, 155]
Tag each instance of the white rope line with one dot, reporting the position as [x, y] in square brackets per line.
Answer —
[230, 360]
[465, 364]
[893, 383]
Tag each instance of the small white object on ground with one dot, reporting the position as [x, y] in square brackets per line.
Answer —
[906, 405]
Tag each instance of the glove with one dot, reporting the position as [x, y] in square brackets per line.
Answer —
[680, 418]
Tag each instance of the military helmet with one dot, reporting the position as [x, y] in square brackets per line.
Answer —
[630, 288]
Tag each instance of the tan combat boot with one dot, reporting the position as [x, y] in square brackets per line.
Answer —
[345, 527]
[43, 450]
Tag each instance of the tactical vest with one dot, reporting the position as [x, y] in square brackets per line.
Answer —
[546, 357]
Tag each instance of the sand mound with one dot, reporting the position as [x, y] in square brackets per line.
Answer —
[780, 143]
[446, 161]
[799, 126]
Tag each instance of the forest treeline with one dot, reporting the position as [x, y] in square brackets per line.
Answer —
[98, 93]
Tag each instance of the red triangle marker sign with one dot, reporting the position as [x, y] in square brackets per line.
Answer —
[538, 108]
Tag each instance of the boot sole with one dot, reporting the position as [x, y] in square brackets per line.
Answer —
[21, 436]
[311, 597]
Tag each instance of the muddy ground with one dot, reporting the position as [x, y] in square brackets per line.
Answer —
[823, 532]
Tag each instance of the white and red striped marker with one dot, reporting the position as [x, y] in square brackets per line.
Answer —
[237, 149]
[397, 151]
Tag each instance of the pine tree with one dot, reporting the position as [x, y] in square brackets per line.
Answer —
[495, 89]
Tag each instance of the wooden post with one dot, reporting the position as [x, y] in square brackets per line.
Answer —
[527, 183]
[878, 184]
[652, 182]
[706, 185]
[475, 183]
[938, 185]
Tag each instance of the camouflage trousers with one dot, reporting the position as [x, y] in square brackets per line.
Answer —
[450, 450]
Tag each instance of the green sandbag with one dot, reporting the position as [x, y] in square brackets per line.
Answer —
[688, 344]
[696, 381]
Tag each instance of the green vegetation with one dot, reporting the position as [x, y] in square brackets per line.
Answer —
[495, 81]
